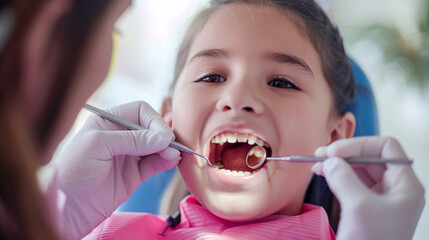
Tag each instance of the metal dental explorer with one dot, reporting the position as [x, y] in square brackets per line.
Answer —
[258, 155]
[133, 126]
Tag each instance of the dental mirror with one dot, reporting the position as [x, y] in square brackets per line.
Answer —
[257, 155]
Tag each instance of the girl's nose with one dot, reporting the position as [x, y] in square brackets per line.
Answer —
[240, 98]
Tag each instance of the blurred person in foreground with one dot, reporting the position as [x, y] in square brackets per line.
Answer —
[53, 55]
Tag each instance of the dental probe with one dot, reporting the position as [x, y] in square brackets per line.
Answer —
[258, 155]
[133, 126]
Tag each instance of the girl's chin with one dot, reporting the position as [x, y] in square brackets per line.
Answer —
[236, 213]
[237, 207]
[235, 197]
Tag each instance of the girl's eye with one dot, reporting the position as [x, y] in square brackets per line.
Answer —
[282, 83]
[215, 78]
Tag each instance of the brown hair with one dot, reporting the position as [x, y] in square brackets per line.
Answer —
[314, 25]
[23, 210]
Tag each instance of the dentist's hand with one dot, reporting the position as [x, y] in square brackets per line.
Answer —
[104, 163]
[377, 201]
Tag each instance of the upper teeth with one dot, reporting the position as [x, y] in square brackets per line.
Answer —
[237, 137]
[257, 153]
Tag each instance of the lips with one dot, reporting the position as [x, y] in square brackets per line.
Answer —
[228, 151]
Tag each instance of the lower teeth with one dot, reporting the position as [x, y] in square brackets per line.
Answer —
[235, 173]
[218, 165]
[221, 168]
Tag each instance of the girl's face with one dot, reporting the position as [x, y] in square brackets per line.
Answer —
[251, 77]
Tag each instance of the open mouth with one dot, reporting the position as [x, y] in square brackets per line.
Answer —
[228, 151]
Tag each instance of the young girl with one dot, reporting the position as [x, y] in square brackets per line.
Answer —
[261, 81]
[253, 73]
[269, 73]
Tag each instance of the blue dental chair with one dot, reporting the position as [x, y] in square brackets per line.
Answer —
[148, 196]
[364, 107]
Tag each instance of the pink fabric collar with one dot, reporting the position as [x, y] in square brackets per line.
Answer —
[197, 221]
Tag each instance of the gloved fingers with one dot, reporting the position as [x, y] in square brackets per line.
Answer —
[154, 163]
[384, 147]
[389, 178]
[170, 153]
[400, 198]
[370, 174]
[136, 143]
[142, 114]
[372, 180]
[402, 178]
[366, 178]
[341, 178]
[139, 113]
[402, 186]
[95, 122]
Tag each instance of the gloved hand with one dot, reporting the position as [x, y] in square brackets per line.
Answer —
[104, 163]
[377, 202]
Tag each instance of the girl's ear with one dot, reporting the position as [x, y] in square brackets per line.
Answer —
[165, 111]
[344, 127]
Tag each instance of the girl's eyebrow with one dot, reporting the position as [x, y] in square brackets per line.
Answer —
[214, 52]
[288, 59]
[272, 56]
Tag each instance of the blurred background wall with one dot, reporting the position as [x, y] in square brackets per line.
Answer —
[388, 38]
[390, 41]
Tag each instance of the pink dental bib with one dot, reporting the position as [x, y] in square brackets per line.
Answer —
[198, 223]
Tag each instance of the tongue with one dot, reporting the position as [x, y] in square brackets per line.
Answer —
[235, 158]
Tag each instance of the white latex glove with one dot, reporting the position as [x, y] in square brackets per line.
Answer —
[104, 163]
[379, 202]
